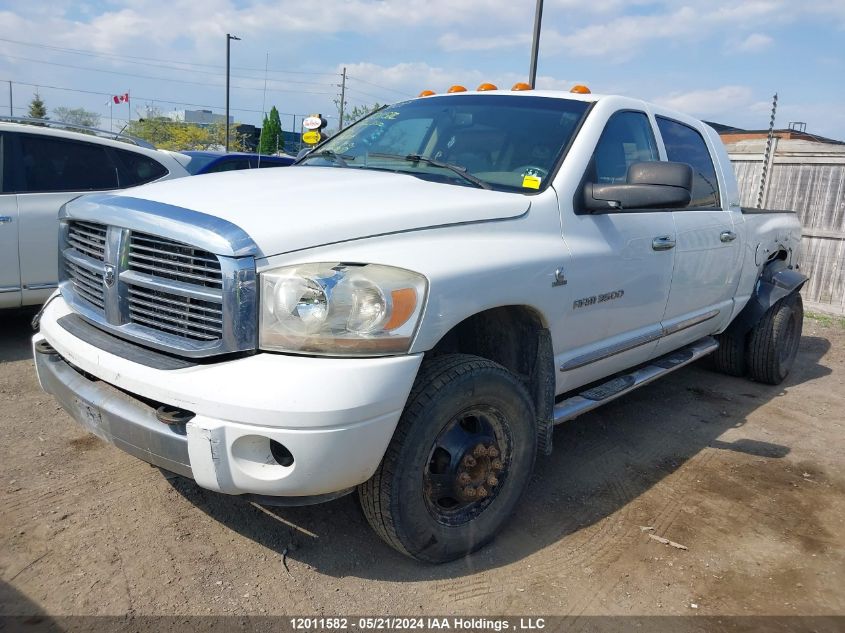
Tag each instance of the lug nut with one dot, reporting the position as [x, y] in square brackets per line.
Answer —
[479, 451]
[469, 461]
[464, 479]
[497, 465]
[493, 452]
[481, 492]
[469, 492]
[492, 481]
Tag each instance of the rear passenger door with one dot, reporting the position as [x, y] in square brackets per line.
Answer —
[10, 274]
[707, 253]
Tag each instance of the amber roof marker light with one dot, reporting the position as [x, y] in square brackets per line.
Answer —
[580, 89]
[521, 85]
[456, 88]
[486, 86]
[426, 93]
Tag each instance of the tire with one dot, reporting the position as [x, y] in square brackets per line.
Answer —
[729, 358]
[417, 501]
[773, 342]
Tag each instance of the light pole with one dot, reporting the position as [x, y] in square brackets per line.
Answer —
[535, 45]
[229, 38]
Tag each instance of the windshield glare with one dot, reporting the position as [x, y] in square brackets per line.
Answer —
[510, 142]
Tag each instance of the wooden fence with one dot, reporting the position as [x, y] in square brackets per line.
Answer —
[808, 177]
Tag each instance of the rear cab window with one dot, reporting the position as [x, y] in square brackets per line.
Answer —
[685, 144]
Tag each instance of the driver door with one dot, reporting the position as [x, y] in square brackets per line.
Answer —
[620, 270]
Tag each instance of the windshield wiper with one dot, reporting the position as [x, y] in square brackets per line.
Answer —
[416, 158]
[330, 155]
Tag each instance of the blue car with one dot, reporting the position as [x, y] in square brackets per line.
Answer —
[213, 162]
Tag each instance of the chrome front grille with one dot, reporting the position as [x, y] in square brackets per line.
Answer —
[86, 284]
[158, 291]
[184, 316]
[88, 238]
[165, 258]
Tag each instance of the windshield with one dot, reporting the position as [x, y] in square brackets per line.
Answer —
[506, 142]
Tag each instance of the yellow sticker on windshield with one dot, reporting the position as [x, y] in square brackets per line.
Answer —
[531, 182]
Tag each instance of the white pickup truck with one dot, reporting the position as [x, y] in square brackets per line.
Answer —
[411, 309]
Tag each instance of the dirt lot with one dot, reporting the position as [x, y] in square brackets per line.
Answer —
[750, 478]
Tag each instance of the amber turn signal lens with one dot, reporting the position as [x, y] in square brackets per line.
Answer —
[404, 303]
[521, 85]
[486, 86]
[426, 93]
[580, 89]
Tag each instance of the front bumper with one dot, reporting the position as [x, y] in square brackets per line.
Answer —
[335, 416]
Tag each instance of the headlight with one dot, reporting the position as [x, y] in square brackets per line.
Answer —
[340, 309]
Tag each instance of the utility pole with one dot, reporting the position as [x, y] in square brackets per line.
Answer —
[229, 39]
[535, 45]
[11, 110]
[342, 98]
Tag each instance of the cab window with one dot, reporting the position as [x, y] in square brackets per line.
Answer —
[685, 145]
[627, 139]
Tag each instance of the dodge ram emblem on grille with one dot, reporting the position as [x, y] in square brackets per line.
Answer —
[108, 275]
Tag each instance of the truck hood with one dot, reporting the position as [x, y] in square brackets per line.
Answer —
[287, 209]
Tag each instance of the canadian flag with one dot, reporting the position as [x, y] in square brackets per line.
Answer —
[124, 98]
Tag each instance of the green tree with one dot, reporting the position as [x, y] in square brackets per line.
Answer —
[272, 141]
[77, 116]
[165, 133]
[237, 139]
[37, 109]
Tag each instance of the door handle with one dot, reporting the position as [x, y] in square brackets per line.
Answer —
[727, 236]
[663, 243]
[5, 219]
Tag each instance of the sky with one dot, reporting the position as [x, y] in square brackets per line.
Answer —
[720, 60]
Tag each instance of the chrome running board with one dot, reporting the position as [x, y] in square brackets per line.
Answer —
[589, 399]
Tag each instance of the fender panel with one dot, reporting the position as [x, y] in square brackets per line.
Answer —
[772, 286]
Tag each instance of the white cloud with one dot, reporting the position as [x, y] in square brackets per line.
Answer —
[456, 42]
[709, 103]
[411, 78]
[754, 43]
[623, 37]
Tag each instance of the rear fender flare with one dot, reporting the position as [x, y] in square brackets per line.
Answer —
[775, 283]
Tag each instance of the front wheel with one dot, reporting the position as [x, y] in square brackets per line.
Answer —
[459, 461]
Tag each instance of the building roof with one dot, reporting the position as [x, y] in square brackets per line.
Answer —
[732, 134]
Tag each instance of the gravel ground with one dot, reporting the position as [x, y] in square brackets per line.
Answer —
[748, 477]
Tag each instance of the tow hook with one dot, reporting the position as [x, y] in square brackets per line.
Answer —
[43, 347]
[173, 416]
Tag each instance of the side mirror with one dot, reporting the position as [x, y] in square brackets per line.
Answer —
[649, 185]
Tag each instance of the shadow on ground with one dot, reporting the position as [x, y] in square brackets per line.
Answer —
[15, 334]
[601, 462]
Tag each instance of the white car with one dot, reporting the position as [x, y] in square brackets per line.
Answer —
[411, 309]
[41, 168]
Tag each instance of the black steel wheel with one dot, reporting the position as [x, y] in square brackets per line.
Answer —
[459, 461]
[468, 465]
